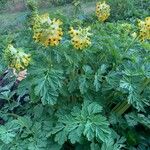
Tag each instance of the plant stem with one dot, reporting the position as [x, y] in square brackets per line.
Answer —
[134, 40]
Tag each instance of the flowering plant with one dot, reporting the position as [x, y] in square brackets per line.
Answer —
[47, 31]
[80, 37]
[102, 11]
[96, 97]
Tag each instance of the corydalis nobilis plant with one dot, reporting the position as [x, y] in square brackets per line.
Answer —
[144, 29]
[47, 31]
[102, 11]
[95, 100]
[80, 37]
[16, 58]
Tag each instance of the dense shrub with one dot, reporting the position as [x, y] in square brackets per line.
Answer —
[96, 97]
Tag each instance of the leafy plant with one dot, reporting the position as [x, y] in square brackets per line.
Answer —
[94, 98]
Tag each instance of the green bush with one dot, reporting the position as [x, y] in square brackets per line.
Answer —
[95, 99]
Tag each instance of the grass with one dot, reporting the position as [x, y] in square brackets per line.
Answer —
[11, 22]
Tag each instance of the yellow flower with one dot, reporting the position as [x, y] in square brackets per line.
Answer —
[144, 29]
[80, 37]
[102, 11]
[16, 58]
[47, 31]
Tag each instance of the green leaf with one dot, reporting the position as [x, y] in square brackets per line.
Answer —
[127, 84]
[24, 122]
[74, 136]
[110, 144]
[87, 69]
[144, 120]
[38, 111]
[83, 86]
[6, 136]
[47, 86]
[94, 108]
[131, 120]
[86, 121]
[89, 131]
[97, 83]
[94, 146]
[98, 77]
[61, 137]
[57, 128]
[8, 132]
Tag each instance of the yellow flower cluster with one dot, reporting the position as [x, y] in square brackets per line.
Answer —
[47, 31]
[16, 58]
[102, 11]
[80, 37]
[144, 29]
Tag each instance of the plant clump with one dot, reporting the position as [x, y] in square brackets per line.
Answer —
[144, 29]
[47, 31]
[80, 37]
[16, 58]
[102, 11]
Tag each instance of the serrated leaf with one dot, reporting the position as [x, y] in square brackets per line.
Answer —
[87, 69]
[97, 83]
[38, 110]
[89, 131]
[94, 108]
[83, 86]
[110, 144]
[86, 121]
[58, 128]
[24, 122]
[6, 135]
[94, 146]
[61, 137]
[73, 137]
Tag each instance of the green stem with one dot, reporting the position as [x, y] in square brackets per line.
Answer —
[119, 106]
[122, 110]
[146, 82]
[134, 40]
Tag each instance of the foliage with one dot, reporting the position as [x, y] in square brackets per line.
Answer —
[126, 9]
[95, 98]
[82, 122]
